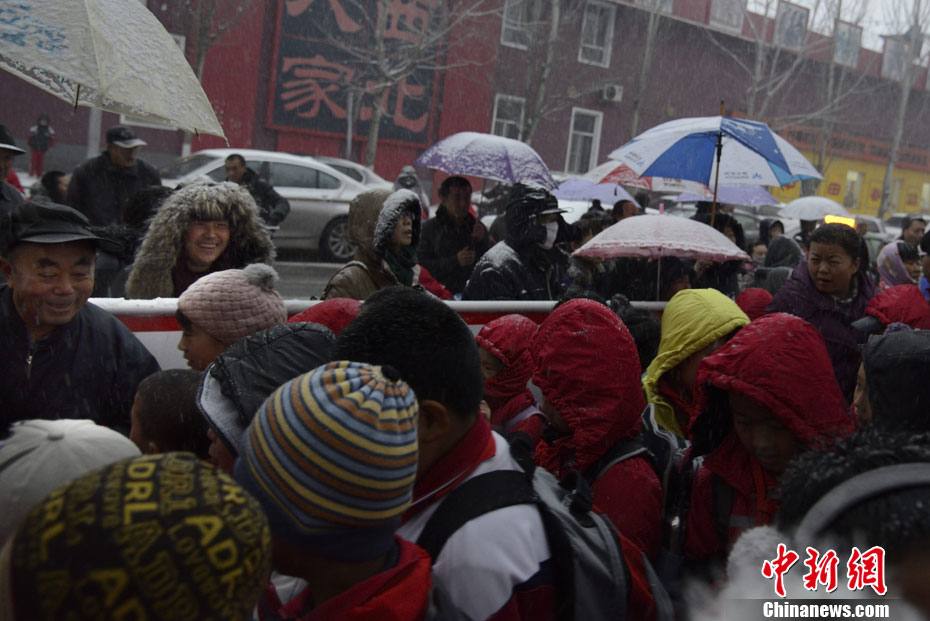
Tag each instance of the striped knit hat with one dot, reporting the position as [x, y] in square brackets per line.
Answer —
[332, 456]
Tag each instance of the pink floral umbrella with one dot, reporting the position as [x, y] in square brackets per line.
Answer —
[653, 237]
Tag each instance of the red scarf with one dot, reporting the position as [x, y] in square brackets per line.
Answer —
[454, 467]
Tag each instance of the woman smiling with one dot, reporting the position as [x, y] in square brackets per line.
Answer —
[202, 228]
[831, 290]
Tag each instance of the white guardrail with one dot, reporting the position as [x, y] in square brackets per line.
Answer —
[154, 323]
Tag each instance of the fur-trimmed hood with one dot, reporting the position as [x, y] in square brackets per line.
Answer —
[391, 210]
[161, 248]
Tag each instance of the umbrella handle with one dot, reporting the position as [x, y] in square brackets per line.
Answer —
[713, 208]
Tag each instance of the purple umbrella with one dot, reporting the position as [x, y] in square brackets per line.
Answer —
[745, 195]
[580, 189]
[489, 157]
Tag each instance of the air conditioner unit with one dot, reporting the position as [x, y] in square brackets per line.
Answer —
[612, 93]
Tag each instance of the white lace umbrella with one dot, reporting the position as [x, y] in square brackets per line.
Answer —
[813, 208]
[108, 54]
[653, 237]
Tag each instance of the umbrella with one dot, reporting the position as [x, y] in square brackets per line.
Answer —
[745, 195]
[748, 152]
[659, 236]
[615, 172]
[488, 156]
[813, 208]
[108, 54]
[582, 189]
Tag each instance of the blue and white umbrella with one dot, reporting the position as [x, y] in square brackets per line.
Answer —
[750, 153]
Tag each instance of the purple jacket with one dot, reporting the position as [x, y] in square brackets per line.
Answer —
[799, 296]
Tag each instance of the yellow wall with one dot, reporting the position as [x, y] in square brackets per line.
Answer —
[834, 186]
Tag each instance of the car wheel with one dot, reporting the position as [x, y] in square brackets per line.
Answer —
[335, 244]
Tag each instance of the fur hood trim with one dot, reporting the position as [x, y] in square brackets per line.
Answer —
[161, 248]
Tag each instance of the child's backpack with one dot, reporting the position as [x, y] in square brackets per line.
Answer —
[590, 573]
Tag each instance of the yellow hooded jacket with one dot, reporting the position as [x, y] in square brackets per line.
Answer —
[692, 320]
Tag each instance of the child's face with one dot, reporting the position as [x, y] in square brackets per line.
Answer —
[219, 454]
[200, 349]
[762, 434]
[913, 269]
[490, 364]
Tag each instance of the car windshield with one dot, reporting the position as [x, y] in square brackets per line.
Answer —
[185, 165]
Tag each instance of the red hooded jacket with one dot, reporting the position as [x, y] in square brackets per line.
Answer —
[508, 339]
[588, 368]
[903, 303]
[780, 362]
[753, 301]
[334, 313]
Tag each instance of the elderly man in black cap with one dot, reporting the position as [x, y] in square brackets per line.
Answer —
[9, 196]
[100, 186]
[62, 357]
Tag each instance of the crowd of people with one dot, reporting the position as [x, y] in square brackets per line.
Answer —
[373, 458]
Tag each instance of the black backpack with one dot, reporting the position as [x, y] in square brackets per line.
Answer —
[590, 573]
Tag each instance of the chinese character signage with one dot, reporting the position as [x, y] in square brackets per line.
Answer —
[324, 68]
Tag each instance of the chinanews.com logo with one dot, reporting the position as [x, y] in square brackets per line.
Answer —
[864, 570]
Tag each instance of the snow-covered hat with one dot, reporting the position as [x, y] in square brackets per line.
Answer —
[42, 455]
[232, 304]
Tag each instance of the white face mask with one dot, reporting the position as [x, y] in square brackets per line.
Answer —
[552, 229]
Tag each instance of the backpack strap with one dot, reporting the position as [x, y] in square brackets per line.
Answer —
[619, 452]
[473, 498]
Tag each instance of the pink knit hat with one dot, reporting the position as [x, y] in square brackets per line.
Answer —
[232, 304]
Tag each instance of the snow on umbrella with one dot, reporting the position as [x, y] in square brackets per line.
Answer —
[489, 157]
[653, 237]
[750, 153]
[581, 189]
[615, 172]
[108, 54]
[744, 195]
[813, 208]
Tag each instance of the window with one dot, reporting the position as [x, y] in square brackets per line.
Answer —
[854, 180]
[348, 171]
[896, 194]
[219, 174]
[662, 6]
[791, 25]
[584, 141]
[293, 176]
[597, 31]
[518, 15]
[508, 116]
[728, 15]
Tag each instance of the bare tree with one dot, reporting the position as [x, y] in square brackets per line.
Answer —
[209, 19]
[917, 21]
[652, 28]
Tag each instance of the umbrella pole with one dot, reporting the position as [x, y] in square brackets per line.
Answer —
[658, 279]
[77, 94]
[713, 209]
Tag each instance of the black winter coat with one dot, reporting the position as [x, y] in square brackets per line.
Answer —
[440, 242]
[9, 198]
[99, 188]
[505, 273]
[250, 370]
[272, 207]
[88, 368]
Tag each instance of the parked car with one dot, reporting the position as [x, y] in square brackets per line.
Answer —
[319, 196]
[362, 174]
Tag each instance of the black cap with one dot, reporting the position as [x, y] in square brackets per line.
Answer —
[7, 142]
[44, 222]
[122, 136]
